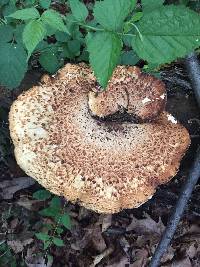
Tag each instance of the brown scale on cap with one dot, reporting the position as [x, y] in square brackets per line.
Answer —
[105, 166]
[130, 91]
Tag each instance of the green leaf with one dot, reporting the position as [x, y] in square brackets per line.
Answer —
[30, 2]
[47, 226]
[33, 33]
[54, 19]
[18, 33]
[84, 56]
[104, 49]
[149, 5]
[74, 47]
[79, 10]
[62, 36]
[13, 65]
[47, 244]
[137, 16]
[6, 33]
[166, 34]
[42, 236]
[49, 61]
[66, 221]
[4, 2]
[45, 3]
[129, 58]
[127, 40]
[50, 259]
[26, 13]
[55, 203]
[58, 242]
[59, 230]
[72, 27]
[112, 13]
[50, 212]
[71, 49]
[9, 9]
[42, 194]
[184, 2]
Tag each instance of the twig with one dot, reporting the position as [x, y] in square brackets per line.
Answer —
[194, 174]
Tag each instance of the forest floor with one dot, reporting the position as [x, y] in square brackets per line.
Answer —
[124, 239]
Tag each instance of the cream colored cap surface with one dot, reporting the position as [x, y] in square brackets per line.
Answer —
[104, 166]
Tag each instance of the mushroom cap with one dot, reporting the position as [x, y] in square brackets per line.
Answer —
[105, 166]
[132, 91]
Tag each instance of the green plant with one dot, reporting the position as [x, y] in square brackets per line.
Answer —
[51, 232]
[6, 256]
[109, 31]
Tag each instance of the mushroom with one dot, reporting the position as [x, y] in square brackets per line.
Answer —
[140, 95]
[104, 165]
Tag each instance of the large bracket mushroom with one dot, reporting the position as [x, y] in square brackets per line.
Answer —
[104, 164]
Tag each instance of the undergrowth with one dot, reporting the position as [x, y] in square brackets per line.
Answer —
[103, 33]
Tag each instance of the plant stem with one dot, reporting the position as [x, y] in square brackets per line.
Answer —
[91, 28]
[103, 30]
[141, 37]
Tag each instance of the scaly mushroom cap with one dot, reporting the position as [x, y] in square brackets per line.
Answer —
[105, 166]
[132, 91]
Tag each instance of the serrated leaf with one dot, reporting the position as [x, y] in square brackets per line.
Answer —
[49, 61]
[129, 58]
[104, 50]
[66, 221]
[13, 65]
[45, 3]
[54, 19]
[42, 236]
[42, 194]
[112, 13]
[149, 5]
[6, 33]
[33, 33]
[166, 34]
[58, 242]
[26, 13]
[79, 10]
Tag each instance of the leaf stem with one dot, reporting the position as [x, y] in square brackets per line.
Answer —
[140, 35]
[103, 30]
[129, 34]
[91, 28]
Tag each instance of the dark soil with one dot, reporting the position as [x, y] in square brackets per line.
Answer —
[129, 237]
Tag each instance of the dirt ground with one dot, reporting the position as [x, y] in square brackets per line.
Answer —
[128, 238]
